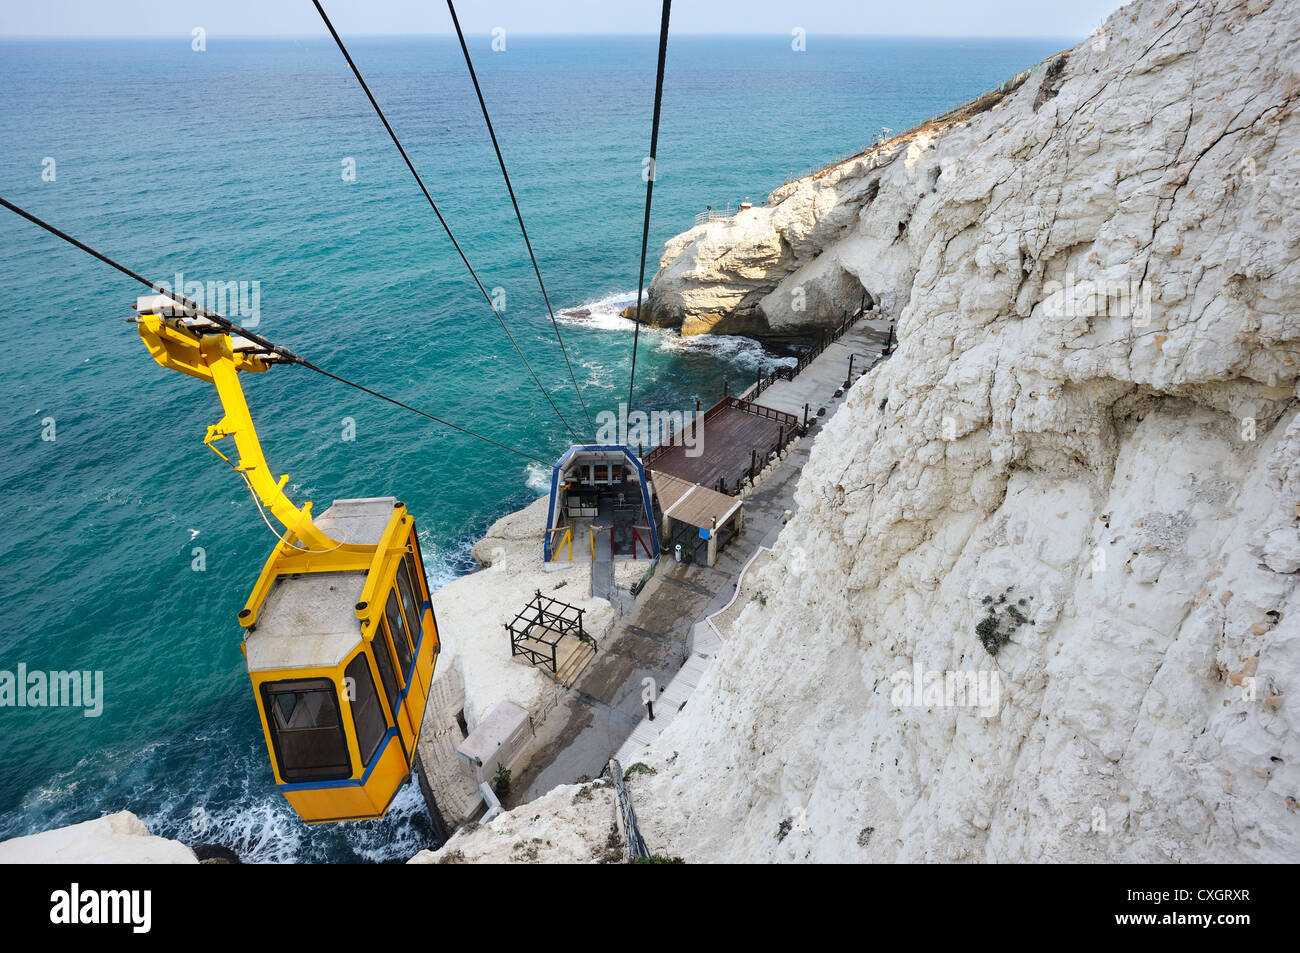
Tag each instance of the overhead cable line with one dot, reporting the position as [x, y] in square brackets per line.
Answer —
[230, 327]
[434, 205]
[518, 215]
[649, 190]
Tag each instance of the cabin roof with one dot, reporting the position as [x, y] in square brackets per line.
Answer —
[693, 504]
[310, 620]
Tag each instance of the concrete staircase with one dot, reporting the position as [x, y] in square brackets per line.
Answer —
[573, 658]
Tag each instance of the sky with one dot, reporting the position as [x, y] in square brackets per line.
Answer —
[161, 18]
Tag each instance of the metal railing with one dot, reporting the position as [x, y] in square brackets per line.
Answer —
[566, 538]
[646, 576]
[546, 708]
[715, 215]
[825, 340]
[636, 848]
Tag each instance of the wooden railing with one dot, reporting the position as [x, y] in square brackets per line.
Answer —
[759, 410]
[790, 425]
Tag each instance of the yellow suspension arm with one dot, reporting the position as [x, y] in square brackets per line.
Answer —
[211, 357]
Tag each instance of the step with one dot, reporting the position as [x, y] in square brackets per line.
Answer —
[574, 665]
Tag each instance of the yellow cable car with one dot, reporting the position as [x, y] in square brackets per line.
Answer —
[339, 633]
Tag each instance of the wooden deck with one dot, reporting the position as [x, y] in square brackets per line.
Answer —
[732, 432]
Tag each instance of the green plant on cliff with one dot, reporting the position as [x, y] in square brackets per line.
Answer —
[501, 780]
[1003, 618]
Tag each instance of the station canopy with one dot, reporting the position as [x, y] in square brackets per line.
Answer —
[691, 503]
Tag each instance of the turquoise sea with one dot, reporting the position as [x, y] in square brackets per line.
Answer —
[226, 165]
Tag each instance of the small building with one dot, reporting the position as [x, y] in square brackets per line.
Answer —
[600, 496]
[496, 743]
[695, 516]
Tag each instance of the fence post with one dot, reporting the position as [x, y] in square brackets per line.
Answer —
[753, 461]
[849, 380]
[805, 416]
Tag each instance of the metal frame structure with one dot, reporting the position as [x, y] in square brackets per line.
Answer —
[541, 616]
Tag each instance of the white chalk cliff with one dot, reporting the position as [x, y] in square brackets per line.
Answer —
[1123, 468]
[120, 838]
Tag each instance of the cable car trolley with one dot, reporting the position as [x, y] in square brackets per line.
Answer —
[340, 637]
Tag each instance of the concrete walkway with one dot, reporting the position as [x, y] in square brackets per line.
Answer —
[827, 374]
[764, 518]
[664, 635]
[764, 515]
[602, 565]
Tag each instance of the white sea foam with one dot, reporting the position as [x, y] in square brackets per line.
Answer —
[539, 479]
[444, 564]
[605, 315]
[398, 836]
[742, 352]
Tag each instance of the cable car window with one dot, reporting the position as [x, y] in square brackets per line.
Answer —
[401, 644]
[408, 601]
[367, 716]
[306, 732]
[416, 589]
[413, 561]
[384, 662]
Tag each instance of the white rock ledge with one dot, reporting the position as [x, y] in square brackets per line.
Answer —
[120, 838]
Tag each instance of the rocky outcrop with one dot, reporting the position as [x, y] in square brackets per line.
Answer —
[477, 607]
[571, 824]
[1077, 481]
[866, 225]
[120, 838]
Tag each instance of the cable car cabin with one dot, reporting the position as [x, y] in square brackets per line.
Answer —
[340, 637]
[341, 660]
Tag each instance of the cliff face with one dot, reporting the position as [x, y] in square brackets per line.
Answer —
[1088, 157]
[1090, 420]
